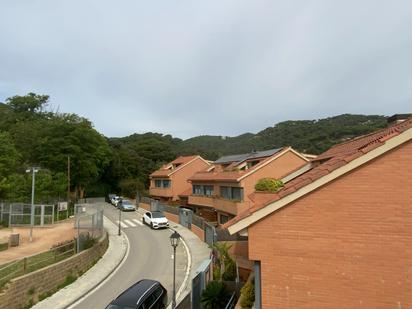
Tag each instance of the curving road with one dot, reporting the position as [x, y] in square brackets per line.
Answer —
[149, 257]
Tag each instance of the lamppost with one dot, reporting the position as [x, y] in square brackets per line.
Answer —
[174, 241]
[120, 215]
[34, 170]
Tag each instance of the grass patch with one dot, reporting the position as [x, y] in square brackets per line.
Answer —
[4, 246]
[35, 262]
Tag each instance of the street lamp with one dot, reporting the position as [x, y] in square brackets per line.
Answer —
[174, 241]
[33, 170]
[120, 215]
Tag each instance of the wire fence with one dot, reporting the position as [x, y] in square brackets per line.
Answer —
[31, 263]
[18, 214]
[88, 224]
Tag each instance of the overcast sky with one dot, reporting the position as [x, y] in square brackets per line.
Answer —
[208, 67]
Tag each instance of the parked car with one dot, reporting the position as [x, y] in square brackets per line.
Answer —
[126, 205]
[109, 197]
[155, 219]
[115, 200]
[142, 295]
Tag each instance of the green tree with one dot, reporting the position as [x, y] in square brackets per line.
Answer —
[30, 103]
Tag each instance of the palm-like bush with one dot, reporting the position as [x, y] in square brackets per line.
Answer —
[215, 296]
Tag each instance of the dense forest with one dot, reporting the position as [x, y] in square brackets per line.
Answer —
[31, 134]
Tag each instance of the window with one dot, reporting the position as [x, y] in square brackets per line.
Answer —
[197, 190]
[223, 219]
[162, 183]
[158, 183]
[205, 190]
[166, 183]
[237, 194]
[208, 190]
[231, 193]
[225, 192]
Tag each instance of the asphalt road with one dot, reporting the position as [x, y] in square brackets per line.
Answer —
[150, 257]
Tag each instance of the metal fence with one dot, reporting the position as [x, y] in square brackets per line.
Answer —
[31, 263]
[17, 214]
[212, 232]
[88, 224]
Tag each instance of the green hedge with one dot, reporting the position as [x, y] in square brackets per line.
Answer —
[268, 185]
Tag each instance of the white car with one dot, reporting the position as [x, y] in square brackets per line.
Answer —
[115, 200]
[155, 219]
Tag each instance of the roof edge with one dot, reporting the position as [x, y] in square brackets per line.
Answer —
[277, 155]
[187, 163]
[390, 144]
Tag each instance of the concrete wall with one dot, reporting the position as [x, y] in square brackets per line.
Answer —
[346, 245]
[16, 293]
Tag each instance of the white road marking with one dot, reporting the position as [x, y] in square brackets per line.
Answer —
[130, 223]
[121, 224]
[138, 221]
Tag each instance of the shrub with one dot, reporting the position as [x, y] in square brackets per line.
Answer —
[86, 241]
[247, 295]
[215, 296]
[268, 185]
[230, 270]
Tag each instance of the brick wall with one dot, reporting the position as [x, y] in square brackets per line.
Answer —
[144, 206]
[16, 294]
[171, 217]
[198, 231]
[345, 245]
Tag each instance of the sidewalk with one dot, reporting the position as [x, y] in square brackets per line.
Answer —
[111, 259]
[199, 252]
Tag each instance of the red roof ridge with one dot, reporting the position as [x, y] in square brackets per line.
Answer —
[333, 161]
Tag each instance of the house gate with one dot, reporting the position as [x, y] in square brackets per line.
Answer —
[185, 217]
[210, 233]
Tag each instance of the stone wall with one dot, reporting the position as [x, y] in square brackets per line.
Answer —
[20, 291]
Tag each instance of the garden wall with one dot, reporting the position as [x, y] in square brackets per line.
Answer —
[21, 291]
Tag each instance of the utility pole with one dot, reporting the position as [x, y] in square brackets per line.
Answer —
[68, 185]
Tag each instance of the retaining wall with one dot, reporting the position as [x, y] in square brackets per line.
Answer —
[20, 291]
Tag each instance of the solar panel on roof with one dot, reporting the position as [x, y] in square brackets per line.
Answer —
[247, 156]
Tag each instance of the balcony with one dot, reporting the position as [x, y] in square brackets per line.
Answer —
[161, 192]
[218, 203]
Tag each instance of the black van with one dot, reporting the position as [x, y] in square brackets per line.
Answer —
[144, 294]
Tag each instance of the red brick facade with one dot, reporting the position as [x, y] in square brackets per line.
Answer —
[346, 245]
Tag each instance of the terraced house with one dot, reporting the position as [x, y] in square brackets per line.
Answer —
[222, 190]
[340, 234]
[170, 182]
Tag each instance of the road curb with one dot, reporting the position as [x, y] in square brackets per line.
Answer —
[107, 276]
[71, 292]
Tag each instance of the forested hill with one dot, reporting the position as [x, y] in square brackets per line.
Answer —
[31, 135]
[309, 136]
[136, 156]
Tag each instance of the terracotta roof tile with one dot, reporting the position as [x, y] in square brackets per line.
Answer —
[164, 171]
[330, 160]
[228, 174]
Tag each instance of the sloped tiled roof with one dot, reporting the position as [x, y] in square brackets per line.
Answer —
[330, 160]
[229, 173]
[164, 171]
[247, 156]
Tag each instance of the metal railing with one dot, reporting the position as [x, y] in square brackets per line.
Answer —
[34, 262]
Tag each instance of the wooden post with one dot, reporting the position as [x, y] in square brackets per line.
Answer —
[24, 265]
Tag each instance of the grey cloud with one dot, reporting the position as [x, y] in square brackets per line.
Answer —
[213, 67]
